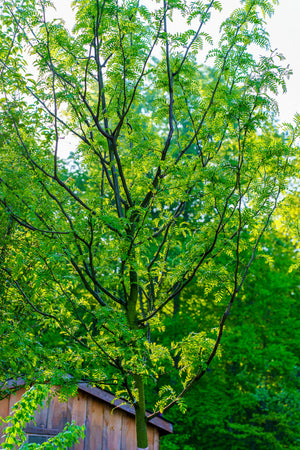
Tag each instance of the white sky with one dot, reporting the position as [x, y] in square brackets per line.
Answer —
[284, 32]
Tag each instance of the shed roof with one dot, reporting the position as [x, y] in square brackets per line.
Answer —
[164, 426]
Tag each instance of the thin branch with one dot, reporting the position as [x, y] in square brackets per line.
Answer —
[211, 101]
[185, 282]
[40, 312]
[117, 130]
[25, 224]
[194, 39]
[237, 288]
[103, 289]
[258, 241]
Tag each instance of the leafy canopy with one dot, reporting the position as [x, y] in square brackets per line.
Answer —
[175, 165]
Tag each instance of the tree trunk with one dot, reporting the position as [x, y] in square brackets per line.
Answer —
[140, 415]
[140, 406]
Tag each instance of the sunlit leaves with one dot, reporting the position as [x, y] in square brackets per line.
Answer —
[194, 351]
[24, 411]
[175, 173]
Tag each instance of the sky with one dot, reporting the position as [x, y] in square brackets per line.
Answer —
[284, 32]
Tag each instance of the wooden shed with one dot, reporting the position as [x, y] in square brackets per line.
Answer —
[108, 426]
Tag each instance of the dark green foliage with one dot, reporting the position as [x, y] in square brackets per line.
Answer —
[175, 174]
[250, 397]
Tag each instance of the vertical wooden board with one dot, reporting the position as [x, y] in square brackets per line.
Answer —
[14, 398]
[150, 434]
[59, 413]
[79, 414]
[41, 417]
[105, 433]
[4, 411]
[79, 408]
[93, 424]
[156, 439]
[51, 406]
[69, 409]
[128, 433]
[112, 429]
[50, 409]
[4, 407]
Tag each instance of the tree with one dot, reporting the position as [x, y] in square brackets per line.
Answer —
[179, 165]
[250, 397]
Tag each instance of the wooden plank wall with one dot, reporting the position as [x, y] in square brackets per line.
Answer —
[6, 408]
[107, 428]
[4, 411]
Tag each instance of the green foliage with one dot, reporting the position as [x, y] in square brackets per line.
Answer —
[194, 351]
[250, 397]
[175, 172]
[24, 411]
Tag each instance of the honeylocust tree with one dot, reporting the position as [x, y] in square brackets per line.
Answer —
[174, 165]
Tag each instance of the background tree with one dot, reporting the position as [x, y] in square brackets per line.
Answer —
[176, 187]
[250, 397]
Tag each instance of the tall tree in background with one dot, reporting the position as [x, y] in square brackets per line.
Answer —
[250, 397]
[176, 187]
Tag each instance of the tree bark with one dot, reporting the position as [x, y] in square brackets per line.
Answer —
[140, 415]
[140, 405]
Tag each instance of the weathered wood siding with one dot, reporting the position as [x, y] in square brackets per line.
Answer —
[6, 407]
[106, 428]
